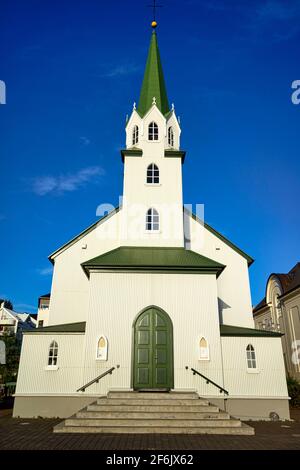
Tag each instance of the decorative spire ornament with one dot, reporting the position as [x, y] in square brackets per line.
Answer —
[154, 6]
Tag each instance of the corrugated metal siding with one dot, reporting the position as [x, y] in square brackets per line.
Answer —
[190, 301]
[270, 379]
[33, 378]
[233, 283]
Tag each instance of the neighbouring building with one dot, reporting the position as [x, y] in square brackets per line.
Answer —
[43, 310]
[15, 323]
[150, 291]
[280, 311]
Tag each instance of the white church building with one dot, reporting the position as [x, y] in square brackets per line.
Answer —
[150, 297]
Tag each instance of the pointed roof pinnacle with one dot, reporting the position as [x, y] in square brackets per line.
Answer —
[153, 82]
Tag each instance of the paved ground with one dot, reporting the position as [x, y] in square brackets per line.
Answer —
[36, 434]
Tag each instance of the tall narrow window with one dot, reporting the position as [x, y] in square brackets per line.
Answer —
[152, 174]
[135, 135]
[251, 359]
[152, 219]
[102, 347]
[153, 131]
[203, 350]
[53, 352]
[171, 136]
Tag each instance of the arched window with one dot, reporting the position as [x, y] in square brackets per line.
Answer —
[203, 350]
[153, 131]
[251, 359]
[102, 347]
[53, 352]
[152, 219]
[135, 135]
[171, 136]
[152, 174]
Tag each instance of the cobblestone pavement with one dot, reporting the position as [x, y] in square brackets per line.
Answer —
[36, 434]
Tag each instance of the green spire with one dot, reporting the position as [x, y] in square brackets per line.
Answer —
[153, 83]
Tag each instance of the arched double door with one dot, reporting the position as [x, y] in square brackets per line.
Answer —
[153, 350]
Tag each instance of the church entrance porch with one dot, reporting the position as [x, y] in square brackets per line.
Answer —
[153, 367]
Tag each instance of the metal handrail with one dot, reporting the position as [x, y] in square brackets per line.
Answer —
[208, 381]
[96, 380]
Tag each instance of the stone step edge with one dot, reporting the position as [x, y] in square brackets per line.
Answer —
[243, 430]
[168, 422]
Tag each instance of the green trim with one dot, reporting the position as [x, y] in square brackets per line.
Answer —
[152, 259]
[153, 82]
[175, 154]
[63, 328]
[83, 233]
[145, 269]
[131, 153]
[229, 330]
[221, 237]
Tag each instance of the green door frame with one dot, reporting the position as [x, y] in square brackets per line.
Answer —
[171, 344]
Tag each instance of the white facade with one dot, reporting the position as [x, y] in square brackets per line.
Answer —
[108, 299]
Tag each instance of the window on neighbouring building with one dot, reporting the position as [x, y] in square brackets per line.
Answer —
[135, 135]
[152, 174]
[153, 131]
[203, 350]
[251, 359]
[152, 219]
[171, 136]
[53, 352]
[102, 348]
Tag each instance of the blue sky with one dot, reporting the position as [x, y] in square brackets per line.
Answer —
[73, 71]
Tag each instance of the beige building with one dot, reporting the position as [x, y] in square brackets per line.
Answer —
[43, 310]
[280, 311]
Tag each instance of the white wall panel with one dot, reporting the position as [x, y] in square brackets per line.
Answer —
[233, 283]
[33, 376]
[268, 382]
[70, 286]
[189, 300]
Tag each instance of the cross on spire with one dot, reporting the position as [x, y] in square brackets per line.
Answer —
[154, 6]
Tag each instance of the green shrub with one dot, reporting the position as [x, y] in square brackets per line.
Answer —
[294, 391]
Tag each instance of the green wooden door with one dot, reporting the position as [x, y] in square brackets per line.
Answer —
[153, 351]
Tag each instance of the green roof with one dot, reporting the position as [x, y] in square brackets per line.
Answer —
[229, 330]
[159, 259]
[153, 82]
[63, 328]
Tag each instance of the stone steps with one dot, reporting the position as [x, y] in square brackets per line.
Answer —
[155, 408]
[149, 402]
[243, 430]
[154, 395]
[144, 422]
[153, 413]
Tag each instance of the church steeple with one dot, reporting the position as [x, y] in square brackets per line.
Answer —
[153, 83]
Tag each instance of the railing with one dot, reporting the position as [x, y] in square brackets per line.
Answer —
[208, 381]
[96, 380]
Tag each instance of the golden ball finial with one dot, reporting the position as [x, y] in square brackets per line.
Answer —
[153, 24]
